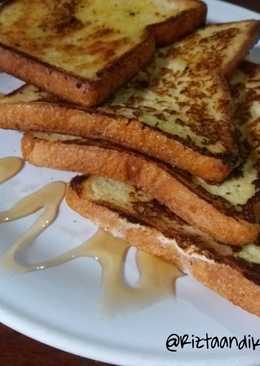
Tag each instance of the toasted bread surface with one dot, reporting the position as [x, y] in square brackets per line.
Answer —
[83, 50]
[222, 46]
[246, 87]
[195, 201]
[191, 203]
[182, 99]
[29, 109]
[183, 92]
[135, 216]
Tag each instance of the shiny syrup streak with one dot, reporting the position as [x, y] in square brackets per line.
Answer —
[156, 280]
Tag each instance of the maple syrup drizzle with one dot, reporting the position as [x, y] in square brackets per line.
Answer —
[157, 278]
[9, 167]
[48, 198]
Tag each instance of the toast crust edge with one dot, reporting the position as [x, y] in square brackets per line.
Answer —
[70, 87]
[93, 92]
[144, 174]
[243, 52]
[236, 287]
[129, 133]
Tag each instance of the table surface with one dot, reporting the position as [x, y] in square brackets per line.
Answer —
[18, 350]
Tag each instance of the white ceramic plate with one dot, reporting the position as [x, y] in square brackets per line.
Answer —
[59, 306]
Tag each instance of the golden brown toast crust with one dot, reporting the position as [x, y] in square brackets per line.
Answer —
[174, 148]
[184, 87]
[129, 131]
[243, 51]
[91, 158]
[222, 40]
[71, 87]
[92, 92]
[202, 265]
[132, 134]
[250, 109]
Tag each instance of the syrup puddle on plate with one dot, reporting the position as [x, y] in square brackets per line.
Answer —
[157, 278]
[9, 167]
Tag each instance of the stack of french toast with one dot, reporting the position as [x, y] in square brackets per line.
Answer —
[160, 112]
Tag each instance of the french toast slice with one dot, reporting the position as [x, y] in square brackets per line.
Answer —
[226, 211]
[225, 221]
[135, 216]
[30, 109]
[246, 86]
[82, 50]
[177, 110]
